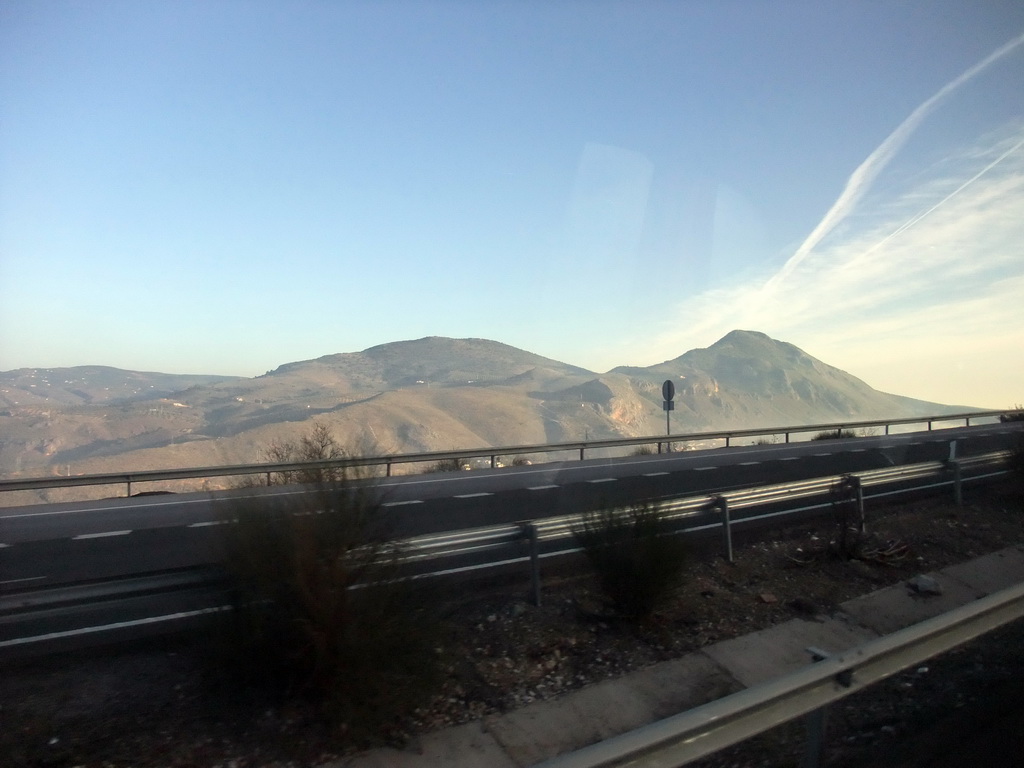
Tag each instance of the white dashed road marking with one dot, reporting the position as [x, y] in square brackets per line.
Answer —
[603, 480]
[654, 474]
[400, 503]
[703, 469]
[208, 523]
[472, 495]
[749, 463]
[18, 581]
[541, 487]
[81, 536]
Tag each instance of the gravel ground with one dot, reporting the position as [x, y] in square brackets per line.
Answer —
[156, 704]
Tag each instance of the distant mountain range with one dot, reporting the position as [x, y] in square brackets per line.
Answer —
[430, 394]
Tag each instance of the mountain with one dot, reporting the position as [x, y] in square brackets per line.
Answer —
[91, 384]
[749, 379]
[433, 360]
[428, 394]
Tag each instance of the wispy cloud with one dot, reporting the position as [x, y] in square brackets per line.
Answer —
[935, 273]
[863, 177]
[938, 270]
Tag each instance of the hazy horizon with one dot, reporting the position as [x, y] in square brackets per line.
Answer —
[221, 188]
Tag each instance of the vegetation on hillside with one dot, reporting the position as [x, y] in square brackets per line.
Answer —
[836, 434]
[1017, 414]
[446, 465]
[318, 444]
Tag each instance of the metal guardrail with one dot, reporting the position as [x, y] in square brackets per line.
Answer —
[830, 489]
[691, 735]
[388, 462]
[456, 552]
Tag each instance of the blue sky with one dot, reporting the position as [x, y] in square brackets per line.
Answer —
[223, 187]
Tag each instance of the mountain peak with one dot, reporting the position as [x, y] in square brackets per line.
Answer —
[743, 337]
[431, 359]
[754, 344]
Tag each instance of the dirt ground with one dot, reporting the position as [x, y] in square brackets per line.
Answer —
[156, 704]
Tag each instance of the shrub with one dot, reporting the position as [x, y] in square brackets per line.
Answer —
[836, 434]
[446, 465]
[1016, 414]
[320, 610]
[639, 562]
[318, 445]
[643, 450]
[1016, 460]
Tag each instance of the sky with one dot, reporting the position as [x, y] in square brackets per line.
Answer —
[222, 187]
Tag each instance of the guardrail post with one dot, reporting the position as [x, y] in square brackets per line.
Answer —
[129, 480]
[387, 468]
[858, 496]
[530, 530]
[722, 503]
[958, 491]
[659, 446]
[581, 452]
[817, 721]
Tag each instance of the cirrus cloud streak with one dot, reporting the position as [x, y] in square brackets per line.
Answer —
[921, 295]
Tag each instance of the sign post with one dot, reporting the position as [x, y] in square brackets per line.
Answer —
[668, 391]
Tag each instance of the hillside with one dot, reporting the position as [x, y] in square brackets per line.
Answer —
[429, 394]
[749, 379]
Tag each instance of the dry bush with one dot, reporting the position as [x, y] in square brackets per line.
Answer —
[1016, 461]
[320, 609]
[1016, 414]
[318, 445]
[446, 465]
[836, 434]
[638, 559]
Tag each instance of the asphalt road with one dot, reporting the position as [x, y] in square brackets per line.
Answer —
[48, 545]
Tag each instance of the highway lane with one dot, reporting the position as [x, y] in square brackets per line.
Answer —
[666, 471]
[56, 544]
